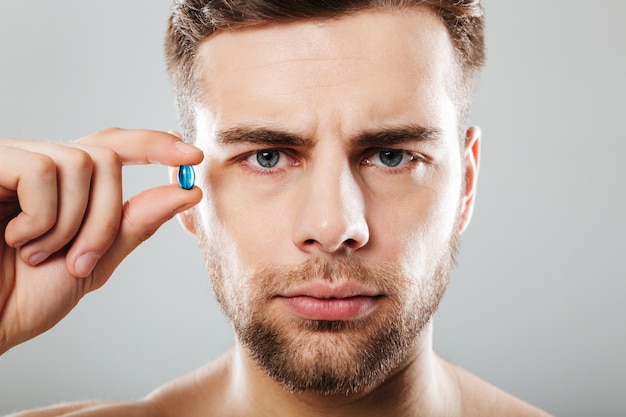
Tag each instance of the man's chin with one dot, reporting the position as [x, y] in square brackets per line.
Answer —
[332, 337]
[327, 357]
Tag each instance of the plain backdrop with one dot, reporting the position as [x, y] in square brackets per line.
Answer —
[536, 305]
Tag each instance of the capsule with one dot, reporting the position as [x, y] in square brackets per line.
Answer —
[186, 177]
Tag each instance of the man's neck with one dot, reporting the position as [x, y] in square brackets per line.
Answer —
[419, 387]
[425, 385]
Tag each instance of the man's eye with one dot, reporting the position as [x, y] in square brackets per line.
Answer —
[391, 158]
[268, 159]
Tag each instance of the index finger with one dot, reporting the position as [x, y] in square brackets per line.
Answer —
[140, 147]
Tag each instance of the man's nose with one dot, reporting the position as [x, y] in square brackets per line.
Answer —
[331, 215]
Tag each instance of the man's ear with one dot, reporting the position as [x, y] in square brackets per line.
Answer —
[471, 161]
[186, 217]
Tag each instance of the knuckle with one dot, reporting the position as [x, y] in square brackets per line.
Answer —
[42, 166]
[110, 131]
[107, 157]
[80, 160]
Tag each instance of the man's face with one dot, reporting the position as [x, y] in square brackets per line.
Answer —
[334, 190]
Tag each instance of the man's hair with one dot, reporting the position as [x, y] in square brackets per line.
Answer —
[191, 21]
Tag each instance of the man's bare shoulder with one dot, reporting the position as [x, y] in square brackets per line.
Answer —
[479, 398]
[94, 409]
[206, 389]
[203, 389]
[181, 397]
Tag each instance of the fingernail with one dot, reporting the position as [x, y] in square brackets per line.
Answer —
[38, 258]
[86, 263]
[184, 147]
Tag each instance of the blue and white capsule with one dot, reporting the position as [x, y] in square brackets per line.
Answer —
[186, 177]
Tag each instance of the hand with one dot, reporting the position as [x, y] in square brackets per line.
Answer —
[65, 228]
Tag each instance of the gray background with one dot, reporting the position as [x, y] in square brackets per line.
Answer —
[537, 304]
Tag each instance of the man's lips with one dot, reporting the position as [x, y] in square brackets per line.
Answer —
[324, 290]
[323, 301]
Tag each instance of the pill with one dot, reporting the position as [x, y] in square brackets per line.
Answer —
[186, 177]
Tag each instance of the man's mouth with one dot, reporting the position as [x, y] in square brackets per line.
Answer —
[331, 302]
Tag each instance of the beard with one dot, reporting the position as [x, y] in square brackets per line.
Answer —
[327, 357]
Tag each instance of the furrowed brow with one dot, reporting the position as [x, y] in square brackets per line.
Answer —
[259, 136]
[398, 135]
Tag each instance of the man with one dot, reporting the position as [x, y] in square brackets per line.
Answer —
[338, 174]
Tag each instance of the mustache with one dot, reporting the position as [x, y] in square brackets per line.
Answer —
[388, 278]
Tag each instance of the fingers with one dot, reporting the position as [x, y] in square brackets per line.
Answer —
[142, 216]
[100, 221]
[137, 147]
[72, 193]
[30, 179]
[73, 171]
[87, 196]
[103, 217]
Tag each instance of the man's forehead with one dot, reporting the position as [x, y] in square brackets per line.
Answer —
[415, 30]
[341, 75]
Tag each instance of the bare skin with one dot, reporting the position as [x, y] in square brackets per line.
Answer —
[73, 193]
[431, 388]
[333, 195]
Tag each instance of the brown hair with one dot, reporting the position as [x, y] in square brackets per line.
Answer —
[191, 21]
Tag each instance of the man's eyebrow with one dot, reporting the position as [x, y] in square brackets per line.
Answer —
[397, 135]
[260, 136]
[377, 138]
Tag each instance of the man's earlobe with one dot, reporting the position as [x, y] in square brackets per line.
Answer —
[471, 161]
[186, 220]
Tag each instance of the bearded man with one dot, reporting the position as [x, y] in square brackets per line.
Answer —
[338, 174]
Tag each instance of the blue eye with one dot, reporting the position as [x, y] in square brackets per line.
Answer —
[268, 159]
[391, 157]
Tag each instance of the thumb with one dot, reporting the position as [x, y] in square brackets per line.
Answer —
[142, 216]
